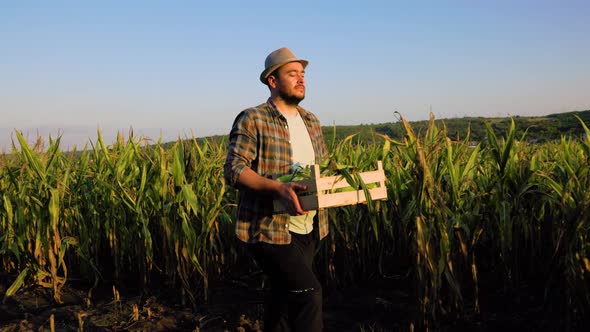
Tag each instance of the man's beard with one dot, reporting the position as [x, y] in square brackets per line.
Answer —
[290, 99]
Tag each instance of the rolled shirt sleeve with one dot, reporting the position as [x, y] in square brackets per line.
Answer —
[242, 147]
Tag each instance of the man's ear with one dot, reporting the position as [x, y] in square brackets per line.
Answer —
[272, 81]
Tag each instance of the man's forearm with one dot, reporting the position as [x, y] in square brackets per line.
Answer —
[253, 181]
[286, 192]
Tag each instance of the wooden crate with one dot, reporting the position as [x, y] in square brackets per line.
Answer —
[319, 195]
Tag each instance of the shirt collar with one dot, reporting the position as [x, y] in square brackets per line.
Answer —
[275, 109]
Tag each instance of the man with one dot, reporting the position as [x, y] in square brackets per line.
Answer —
[266, 142]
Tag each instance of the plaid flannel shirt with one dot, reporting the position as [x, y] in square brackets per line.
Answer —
[259, 139]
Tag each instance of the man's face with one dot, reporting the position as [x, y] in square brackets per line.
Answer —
[289, 83]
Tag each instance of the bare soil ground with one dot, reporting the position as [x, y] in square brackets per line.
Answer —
[237, 305]
[232, 306]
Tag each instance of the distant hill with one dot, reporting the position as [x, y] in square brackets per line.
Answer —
[537, 128]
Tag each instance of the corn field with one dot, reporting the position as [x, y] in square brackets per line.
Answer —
[458, 216]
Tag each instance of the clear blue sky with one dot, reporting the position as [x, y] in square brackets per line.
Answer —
[188, 67]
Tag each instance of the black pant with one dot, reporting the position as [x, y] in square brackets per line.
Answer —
[294, 302]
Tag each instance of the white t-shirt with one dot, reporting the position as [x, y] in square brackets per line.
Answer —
[303, 156]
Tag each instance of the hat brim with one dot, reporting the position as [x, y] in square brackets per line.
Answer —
[266, 73]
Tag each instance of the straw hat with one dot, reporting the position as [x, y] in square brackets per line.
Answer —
[276, 59]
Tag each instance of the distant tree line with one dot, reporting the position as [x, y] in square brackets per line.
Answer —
[531, 129]
[534, 129]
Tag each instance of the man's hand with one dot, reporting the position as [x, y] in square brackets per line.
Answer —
[287, 193]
